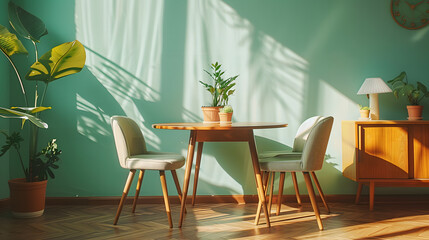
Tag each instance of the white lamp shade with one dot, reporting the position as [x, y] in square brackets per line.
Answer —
[374, 85]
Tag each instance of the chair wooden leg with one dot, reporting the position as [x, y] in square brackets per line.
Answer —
[270, 200]
[312, 196]
[165, 193]
[322, 196]
[124, 194]
[265, 176]
[176, 182]
[197, 171]
[139, 185]
[295, 185]
[280, 194]
[358, 192]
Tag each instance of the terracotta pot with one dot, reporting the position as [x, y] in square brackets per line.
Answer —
[225, 117]
[415, 112]
[27, 199]
[211, 114]
[364, 114]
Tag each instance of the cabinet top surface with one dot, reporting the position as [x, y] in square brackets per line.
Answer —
[384, 122]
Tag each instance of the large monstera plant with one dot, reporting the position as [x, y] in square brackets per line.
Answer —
[59, 62]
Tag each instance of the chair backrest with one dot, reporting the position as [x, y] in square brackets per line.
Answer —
[303, 132]
[316, 144]
[129, 139]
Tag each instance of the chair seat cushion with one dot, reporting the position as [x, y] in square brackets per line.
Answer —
[270, 154]
[285, 163]
[156, 161]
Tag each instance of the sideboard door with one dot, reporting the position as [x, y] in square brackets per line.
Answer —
[383, 152]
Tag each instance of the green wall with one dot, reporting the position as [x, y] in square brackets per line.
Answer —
[296, 59]
[4, 101]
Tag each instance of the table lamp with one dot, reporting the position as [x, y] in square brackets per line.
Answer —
[372, 87]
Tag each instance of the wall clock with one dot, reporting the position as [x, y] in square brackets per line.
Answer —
[410, 14]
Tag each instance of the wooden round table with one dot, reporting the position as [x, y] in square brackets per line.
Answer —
[217, 132]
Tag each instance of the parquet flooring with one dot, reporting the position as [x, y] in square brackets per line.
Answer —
[221, 221]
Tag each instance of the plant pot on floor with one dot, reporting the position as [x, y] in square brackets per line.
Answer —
[415, 112]
[27, 199]
[211, 114]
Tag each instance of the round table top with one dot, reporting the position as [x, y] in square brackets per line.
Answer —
[218, 126]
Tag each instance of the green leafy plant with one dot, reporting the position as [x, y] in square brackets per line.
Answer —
[59, 62]
[221, 88]
[226, 109]
[44, 161]
[401, 87]
[364, 107]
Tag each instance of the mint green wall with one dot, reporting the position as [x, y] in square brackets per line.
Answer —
[296, 59]
[4, 101]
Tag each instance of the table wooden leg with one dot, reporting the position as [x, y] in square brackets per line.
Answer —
[257, 171]
[371, 195]
[358, 192]
[197, 171]
[189, 160]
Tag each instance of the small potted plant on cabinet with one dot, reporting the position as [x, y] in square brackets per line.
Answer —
[401, 87]
[220, 92]
[364, 112]
[225, 114]
[60, 61]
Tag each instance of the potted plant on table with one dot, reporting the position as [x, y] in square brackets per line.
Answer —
[401, 87]
[220, 92]
[225, 114]
[60, 61]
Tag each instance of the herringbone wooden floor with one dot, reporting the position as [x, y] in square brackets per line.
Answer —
[221, 221]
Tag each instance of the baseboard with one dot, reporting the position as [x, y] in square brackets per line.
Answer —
[213, 199]
[4, 203]
[238, 199]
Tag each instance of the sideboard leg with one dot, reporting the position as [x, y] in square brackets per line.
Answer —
[371, 195]
[359, 190]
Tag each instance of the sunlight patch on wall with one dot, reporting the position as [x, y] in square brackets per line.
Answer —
[419, 35]
[273, 78]
[128, 36]
[90, 119]
[332, 102]
[123, 40]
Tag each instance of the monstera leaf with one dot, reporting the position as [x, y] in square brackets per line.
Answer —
[9, 43]
[26, 24]
[9, 113]
[61, 61]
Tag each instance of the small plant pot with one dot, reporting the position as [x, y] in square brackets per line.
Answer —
[364, 114]
[415, 112]
[211, 114]
[225, 117]
[27, 199]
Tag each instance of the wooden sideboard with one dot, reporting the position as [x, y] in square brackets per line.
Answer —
[385, 153]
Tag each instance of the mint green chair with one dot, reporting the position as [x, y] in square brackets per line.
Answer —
[133, 155]
[306, 156]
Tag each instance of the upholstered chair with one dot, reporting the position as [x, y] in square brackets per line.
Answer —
[306, 156]
[133, 155]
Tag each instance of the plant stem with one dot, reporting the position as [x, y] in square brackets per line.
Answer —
[44, 94]
[36, 95]
[22, 163]
[19, 77]
[34, 131]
